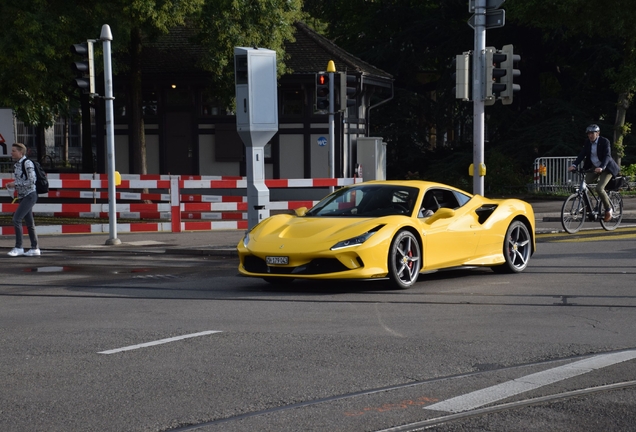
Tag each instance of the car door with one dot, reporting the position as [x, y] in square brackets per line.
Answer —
[450, 241]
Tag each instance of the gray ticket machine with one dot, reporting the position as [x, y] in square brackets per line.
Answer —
[371, 152]
[256, 121]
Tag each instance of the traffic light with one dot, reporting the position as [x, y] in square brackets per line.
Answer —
[508, 79]
[84, 69]
[322, 93]
[462, 76]
[494, 73]
[349, 88]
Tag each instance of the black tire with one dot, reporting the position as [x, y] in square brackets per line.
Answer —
[404, 260]
[617, 212]
[517, 249]
[573, 213]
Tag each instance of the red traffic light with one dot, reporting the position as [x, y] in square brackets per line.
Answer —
[322, 93]
[322, 79]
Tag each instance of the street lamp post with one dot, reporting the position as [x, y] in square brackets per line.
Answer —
[106, 36]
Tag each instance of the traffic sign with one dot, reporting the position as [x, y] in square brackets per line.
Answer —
[494, 18]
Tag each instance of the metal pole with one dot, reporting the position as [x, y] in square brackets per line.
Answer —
[479, 73]
[106, 36]
[332, 135]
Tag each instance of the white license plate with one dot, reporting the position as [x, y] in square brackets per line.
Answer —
[282, 260]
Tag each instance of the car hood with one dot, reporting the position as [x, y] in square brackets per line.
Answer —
[312, 229]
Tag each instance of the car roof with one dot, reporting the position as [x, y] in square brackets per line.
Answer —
[422, 184]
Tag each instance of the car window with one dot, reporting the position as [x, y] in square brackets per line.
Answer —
[341, 200]
[367, 201]
[436, 198]
[461, 198]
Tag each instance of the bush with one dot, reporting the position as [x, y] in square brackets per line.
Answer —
[629, 170]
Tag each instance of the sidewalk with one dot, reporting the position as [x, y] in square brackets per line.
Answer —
[547, 215]
[223, 242]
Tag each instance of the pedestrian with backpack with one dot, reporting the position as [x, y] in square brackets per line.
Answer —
[25, 178]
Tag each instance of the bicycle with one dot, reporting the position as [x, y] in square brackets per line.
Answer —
[584, 202]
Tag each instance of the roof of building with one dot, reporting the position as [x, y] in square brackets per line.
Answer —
[172, 54]
[311, 52]
[176, 55]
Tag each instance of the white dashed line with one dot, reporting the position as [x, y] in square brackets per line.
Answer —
[159, 342]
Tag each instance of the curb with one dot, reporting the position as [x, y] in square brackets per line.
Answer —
[221, 251]
[558, 219]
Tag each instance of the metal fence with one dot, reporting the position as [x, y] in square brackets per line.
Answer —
[6, 166]
[551, 174]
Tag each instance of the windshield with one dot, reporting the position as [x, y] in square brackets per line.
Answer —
[367, 201]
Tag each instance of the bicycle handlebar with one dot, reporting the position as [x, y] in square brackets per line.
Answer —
[579, 170]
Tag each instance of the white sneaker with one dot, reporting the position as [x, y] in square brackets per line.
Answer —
[16, 252]
[33, 252]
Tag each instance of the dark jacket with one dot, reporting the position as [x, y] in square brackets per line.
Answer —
[604, 153]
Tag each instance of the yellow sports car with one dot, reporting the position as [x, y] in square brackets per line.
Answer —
[390, 229]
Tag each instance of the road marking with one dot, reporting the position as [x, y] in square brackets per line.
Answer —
[505, 390]
[159, 342]
[145, 243]
[132, 243]
[607, 237]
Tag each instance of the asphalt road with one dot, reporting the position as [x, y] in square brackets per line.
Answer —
[100, 341]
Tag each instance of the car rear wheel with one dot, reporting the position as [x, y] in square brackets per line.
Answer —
[405, 260]
[517, 249]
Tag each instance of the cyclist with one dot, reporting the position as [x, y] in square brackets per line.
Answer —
[598, 157]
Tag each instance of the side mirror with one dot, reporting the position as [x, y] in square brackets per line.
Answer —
[301, 211]
[443, 213]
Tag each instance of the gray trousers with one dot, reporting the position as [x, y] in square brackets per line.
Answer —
[603, 178]
[25, 211]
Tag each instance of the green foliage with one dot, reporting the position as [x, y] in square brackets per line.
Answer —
[33, 66]
[629, 170]
[551, 128]
[576, 56]
[225, 24]
[35, 77]
[604, 23]
[504, 175]
[619, 146]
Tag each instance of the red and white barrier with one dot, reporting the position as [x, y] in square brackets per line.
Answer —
[186, 212]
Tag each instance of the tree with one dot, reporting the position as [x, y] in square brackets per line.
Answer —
[225, 24]
[36, 35]
[221, 25]
[35, 73]
[135, 22]
[607, 22]
[413, 40]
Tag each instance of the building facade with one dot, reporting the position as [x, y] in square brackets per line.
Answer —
[188, 131]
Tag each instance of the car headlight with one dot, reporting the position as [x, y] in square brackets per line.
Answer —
[246, 238]
[354, 241]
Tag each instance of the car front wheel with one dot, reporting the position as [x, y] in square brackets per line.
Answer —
[405, 260]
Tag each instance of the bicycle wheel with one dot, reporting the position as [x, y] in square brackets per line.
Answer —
[573, 213]
[616, 200]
